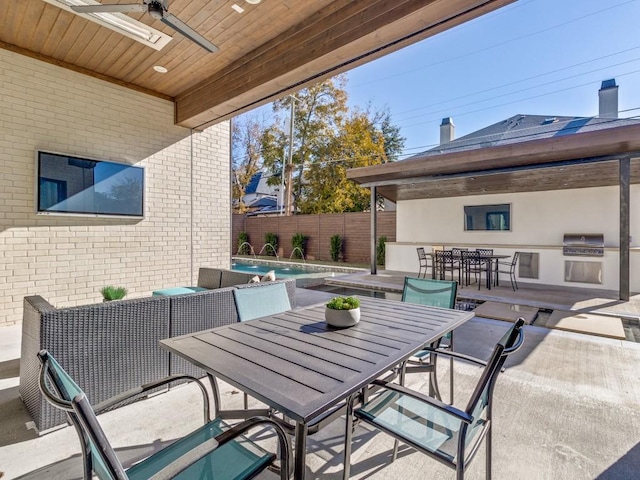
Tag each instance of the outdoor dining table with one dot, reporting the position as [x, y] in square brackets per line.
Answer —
[489, 260]
[298, 365]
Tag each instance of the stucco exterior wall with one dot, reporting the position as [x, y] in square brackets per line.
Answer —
[538, 222]
[67, 259]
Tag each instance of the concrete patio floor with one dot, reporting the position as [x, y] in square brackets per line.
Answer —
[567, 407]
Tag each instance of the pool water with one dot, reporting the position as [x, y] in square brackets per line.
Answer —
[281, 272]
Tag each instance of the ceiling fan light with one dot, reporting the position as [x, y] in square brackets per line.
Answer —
[118, 22]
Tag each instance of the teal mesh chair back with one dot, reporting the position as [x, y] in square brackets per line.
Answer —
[252, 302]
[67, 395]
[436, 293]
[479, 401]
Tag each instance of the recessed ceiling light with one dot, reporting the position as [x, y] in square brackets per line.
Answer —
[160, 69]
[254, 2]
[237, 8]
[118, 22]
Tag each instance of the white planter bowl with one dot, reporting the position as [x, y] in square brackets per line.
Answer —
[342, 318]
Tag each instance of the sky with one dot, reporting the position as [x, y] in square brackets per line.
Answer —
[538, 57]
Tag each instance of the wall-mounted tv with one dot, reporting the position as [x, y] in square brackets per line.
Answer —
[70, 185]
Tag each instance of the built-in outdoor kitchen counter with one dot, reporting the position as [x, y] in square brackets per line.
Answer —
[581, 260]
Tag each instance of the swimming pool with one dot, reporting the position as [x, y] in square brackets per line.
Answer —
[304, 273]
[281, 272]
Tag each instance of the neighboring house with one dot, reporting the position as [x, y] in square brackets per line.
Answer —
[265, 207]
[522, 184]
[260, 196]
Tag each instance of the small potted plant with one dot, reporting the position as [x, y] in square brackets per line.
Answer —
[112, 293]
[342, 311]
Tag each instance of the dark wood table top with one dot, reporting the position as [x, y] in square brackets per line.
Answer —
[297, 364]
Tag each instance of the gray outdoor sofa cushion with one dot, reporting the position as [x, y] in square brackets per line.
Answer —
[114, 346]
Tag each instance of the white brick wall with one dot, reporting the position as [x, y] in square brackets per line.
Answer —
[68, 259]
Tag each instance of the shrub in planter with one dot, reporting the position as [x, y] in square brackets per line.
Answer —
[299, 244]
[336, 246]
[271, 239]
[380, 250]
[243, 244]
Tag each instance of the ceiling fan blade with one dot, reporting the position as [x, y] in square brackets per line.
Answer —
[181, 27]
[112, 8]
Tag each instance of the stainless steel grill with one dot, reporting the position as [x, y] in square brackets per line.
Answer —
[583, 244]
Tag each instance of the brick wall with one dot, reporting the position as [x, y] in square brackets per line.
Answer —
[355, 229]
[67, 259]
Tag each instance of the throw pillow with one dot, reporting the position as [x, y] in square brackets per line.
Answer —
[270, 276]
[254, 279]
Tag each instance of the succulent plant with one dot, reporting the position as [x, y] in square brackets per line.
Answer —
[343, 303]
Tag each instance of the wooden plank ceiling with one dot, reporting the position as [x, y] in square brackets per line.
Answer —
[573, 161]
[273, 48]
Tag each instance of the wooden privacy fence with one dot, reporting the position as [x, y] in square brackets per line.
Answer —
[354, 228]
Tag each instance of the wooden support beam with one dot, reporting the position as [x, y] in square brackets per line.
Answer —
[339, 37]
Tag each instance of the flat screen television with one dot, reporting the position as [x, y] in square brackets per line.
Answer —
[70, 185]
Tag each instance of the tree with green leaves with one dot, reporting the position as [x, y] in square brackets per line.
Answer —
[326, 188]
[319, 110]
[328, 139]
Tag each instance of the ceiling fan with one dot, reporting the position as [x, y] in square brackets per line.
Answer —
[157, 9]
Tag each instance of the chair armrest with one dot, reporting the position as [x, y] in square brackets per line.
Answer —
[115, 400]
[462, 356]
[283, 441]
[449, 409]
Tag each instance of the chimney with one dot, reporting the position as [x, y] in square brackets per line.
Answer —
[447, 130]
[608, 96]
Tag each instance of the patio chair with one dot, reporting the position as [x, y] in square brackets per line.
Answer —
[447, 262]
[424, 262]
[214, 450]
[476, 264]
[267, 300]
[252, 303]
[510, 269]
[443, 432]
[435, 293]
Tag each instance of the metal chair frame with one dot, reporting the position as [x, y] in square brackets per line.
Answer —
[423, 362]
[474, 263]
[510, 343]
[511, 272]
[424, 262]
[94, 442]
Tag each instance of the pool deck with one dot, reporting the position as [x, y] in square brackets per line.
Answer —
[565, 408]
[580, 301]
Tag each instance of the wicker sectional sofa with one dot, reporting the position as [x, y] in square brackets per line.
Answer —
[111, 347]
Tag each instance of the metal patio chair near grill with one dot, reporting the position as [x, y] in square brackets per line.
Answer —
[425, 262]
[509, 268]
[214, 450]
[448, 434]
[435, 293]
